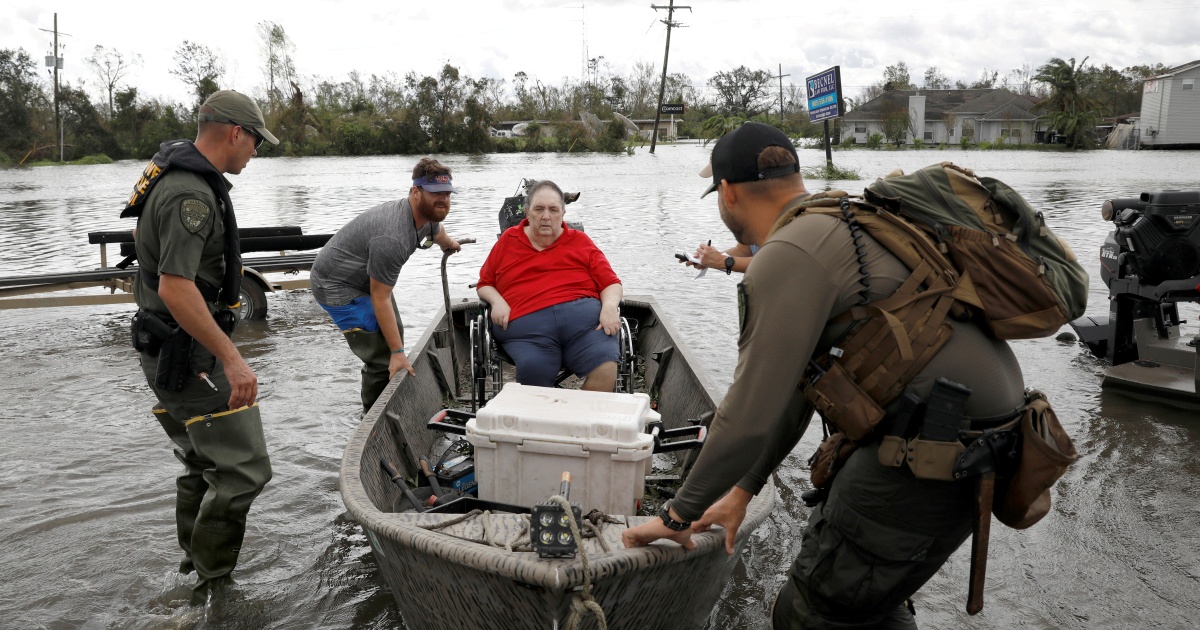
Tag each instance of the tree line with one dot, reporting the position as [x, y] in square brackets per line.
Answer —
[453, 112]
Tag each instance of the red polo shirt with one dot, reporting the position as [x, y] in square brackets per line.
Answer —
[572, 267]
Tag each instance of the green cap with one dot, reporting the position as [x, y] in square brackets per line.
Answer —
[238, 109]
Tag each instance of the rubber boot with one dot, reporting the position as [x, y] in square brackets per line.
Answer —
[233, 441]
[190, 485]
[373, 349]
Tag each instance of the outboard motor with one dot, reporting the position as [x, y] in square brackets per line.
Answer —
[1150, 262]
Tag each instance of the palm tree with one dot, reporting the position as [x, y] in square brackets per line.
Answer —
[719, 125]
[1070, 111]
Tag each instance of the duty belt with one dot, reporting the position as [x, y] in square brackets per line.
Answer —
[210, 293]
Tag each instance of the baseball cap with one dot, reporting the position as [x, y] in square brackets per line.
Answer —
[435, 183]
[735, 158]
[236, 108]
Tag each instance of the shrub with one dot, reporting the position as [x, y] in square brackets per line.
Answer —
[874, 140]
[828, 171]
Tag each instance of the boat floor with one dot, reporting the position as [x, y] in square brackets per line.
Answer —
[1165, 370]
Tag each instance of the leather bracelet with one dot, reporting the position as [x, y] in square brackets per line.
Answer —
[400, 351]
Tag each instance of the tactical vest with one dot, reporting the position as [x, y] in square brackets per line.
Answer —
[183, 155]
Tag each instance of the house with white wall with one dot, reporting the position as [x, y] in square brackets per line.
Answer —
[946, 116]
[1170, 115]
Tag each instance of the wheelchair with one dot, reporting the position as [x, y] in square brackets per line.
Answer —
[488, 359]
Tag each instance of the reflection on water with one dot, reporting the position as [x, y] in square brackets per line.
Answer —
[86, 475]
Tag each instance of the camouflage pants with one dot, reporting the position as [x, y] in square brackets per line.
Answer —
[871, 545]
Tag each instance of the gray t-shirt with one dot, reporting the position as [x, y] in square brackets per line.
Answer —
[375, 244]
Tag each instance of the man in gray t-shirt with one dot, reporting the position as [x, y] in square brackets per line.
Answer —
[353, 276]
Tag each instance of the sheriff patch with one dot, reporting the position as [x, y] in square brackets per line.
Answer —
[194, 214]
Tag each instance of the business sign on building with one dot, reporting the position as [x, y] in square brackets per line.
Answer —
[671, 108]
[825, 95]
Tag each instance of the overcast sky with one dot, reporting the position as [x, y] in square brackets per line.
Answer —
[552, 39]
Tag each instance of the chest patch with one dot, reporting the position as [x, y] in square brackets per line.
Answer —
[194, 213]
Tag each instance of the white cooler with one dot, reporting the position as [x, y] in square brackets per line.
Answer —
[526, 437]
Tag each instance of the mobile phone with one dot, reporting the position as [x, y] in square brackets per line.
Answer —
[682, 257]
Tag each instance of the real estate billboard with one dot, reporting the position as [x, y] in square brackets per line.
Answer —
[825, 95]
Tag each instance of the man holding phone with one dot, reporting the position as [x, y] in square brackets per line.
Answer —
[736, 258]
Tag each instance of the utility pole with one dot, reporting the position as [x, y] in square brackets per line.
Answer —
[55, 60]
[780, 77]
[662, 87]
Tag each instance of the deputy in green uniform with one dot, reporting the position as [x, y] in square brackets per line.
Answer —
[881, 533]
[187, 285]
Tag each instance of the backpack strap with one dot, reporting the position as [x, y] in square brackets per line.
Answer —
[891, 339]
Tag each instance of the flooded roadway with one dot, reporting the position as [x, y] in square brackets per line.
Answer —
[86, 476]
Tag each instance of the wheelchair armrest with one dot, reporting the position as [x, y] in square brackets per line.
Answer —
[661, 437]
[450, 421]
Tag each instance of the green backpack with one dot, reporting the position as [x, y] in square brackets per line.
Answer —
[1028, 287]
[974, 248]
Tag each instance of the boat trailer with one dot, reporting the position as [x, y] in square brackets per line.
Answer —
[118, 278]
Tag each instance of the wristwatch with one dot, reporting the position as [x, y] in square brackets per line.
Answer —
[664, 513]
[728, 265]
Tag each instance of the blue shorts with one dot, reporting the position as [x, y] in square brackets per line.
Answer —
[560, 336]
[358, 313]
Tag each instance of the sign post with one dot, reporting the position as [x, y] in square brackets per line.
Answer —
[672, 109]
[825, 102]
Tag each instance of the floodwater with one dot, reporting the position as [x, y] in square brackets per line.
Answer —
[86, 475]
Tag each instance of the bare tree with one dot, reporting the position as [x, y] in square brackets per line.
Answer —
[1020, 80]
[643, 89]
[111, 66]
[935, 79]
[987, 79]
[198, 66]
[277, 49]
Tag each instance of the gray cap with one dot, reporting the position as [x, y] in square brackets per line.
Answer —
[237, 109]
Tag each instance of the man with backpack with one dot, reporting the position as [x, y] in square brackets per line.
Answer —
[880, 531]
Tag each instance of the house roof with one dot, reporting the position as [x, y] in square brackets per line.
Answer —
[982, 101]
[995, 99]
[1176, 70]
[1015, 109]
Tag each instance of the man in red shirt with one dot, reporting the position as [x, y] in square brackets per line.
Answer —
[554, 297]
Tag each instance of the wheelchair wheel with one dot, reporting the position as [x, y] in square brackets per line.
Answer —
[478, 362]
[487, 375]
[627, 364]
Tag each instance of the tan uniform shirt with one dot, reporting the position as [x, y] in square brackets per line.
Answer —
[804, 275]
